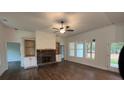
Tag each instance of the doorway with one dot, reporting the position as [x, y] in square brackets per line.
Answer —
[62, 52]
[114, 55]
[13, 55]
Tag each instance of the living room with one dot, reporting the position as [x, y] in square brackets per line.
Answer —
[87, 40]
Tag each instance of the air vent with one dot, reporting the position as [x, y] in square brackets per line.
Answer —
[5, 20]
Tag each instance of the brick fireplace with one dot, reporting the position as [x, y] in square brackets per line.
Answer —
[46, 56]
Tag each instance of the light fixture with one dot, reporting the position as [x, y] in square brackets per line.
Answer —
[62, 30]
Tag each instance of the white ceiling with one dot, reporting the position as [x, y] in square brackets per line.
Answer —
[43, 21]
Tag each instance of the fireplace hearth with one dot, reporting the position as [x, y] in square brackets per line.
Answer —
[46, 56]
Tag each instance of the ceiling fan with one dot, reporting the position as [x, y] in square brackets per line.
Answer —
[63, 28]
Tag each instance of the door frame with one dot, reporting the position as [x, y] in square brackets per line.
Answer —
[7, 51]
[114, 69]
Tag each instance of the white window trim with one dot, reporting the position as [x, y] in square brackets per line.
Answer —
[91, 58]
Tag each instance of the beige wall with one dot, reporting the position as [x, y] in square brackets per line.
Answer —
[3, 40]
[19, 36]
[60, 40]
[45, 40]
[120, 32]
[104, 37]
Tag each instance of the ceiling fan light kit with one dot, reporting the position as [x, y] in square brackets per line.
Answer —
[63, 28]
[62, 31]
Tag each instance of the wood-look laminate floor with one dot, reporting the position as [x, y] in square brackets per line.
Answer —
[59, 71]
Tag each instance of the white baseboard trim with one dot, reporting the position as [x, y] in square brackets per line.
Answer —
[2, 70]
[98, 67]
[30, 67]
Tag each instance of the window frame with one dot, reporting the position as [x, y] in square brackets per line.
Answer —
[87, 50]
[90, 50]
[93, 41]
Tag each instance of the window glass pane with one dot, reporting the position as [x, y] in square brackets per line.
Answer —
[71, 53]
[93, 49]
[115, 51]
[88, 50]
[71, 49]
[79, 46]
[79, 53]
[79, 50]
[71, 45]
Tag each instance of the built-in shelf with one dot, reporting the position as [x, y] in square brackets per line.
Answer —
[57, 48]
[29, 46]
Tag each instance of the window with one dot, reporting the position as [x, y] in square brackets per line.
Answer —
[90, 49]
[72, 49]
[115, 51]
[79, 50]
[93, 49]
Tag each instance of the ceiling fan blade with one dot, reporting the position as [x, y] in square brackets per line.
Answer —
[70, 30]
[55, 31]
[55, 28]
